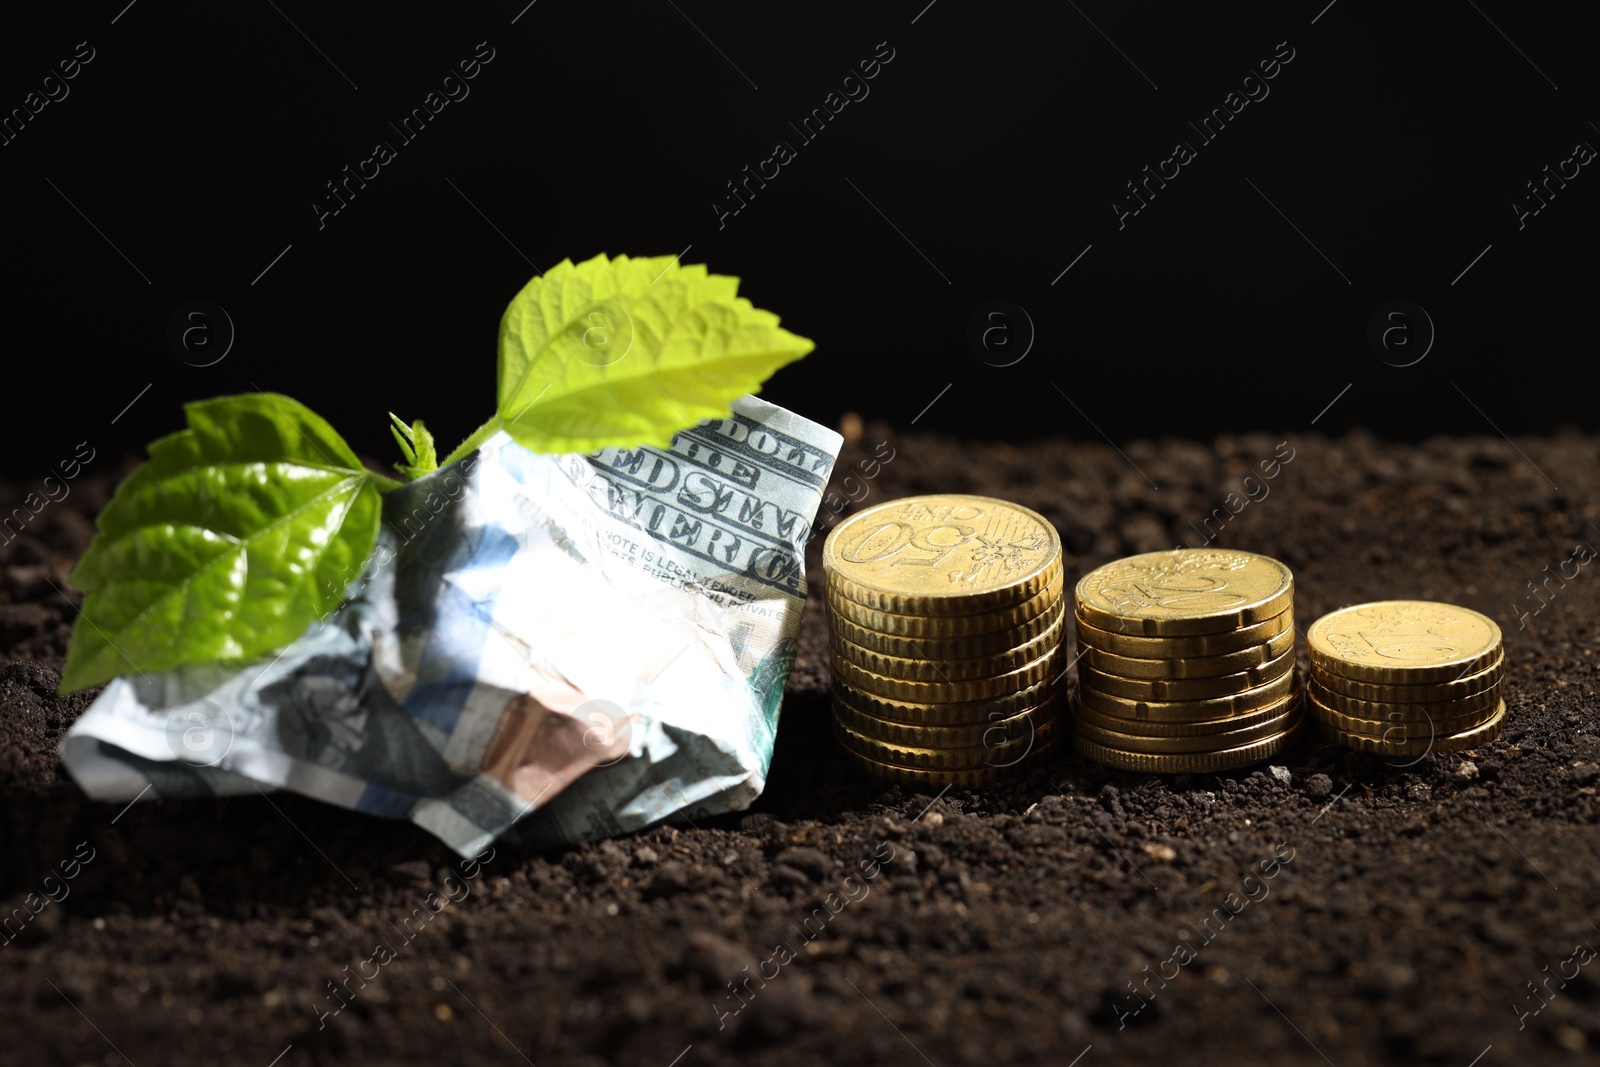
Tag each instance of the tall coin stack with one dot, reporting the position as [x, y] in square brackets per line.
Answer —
[945, 619]
[1407, 677]
[1187, 662]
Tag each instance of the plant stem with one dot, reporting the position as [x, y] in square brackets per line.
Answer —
[478, 437]
[385, 484]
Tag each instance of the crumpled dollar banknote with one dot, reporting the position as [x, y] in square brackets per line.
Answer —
[595, 642]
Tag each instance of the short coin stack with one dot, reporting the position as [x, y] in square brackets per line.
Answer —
[1187, 662]
[1407, 677]
[945, 619]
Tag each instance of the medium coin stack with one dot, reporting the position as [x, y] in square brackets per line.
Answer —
[1187, 662]
[1407, 677]
[945, 618]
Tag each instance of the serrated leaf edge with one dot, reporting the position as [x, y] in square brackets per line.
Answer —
[358, 479]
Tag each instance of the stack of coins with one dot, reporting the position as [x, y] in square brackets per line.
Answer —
[1187, 662]
[945, 620]
[1407, 677]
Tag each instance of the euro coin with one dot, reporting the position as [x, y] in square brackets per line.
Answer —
[945, 713]
[945, 624]
[1039, 722]
[1375, 710]
[1403, 642]
[1187, 710]
[1422, 693]
[1228, 759]
[972, 778]
[843, 629]
[1125, 742]
[928, 669]
[948, 554]
[1137, 646]
[1184, 591]
[949, 690]
[1419, 746]
[1191, 667]
[945, 627]
[1187, 688]
[1001, 754]
[1397, 729]
[1200, 728]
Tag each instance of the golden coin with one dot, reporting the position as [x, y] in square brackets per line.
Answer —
[1379, 710]
[1403, 729]
[946, 713]
[1478, 735]
[927, 669]
[1424, 693]
[1404, 642]
[1192, 667]
[1228, 759]
[1184, 591]
[1139, 647]
[972, 778]
[948, 554]
[1000, 755]
[1187, 688]
[1037, 722]
[945, 627]
[843, 629]
[957, 690]
[1284, 720]
[1251, 699]
[1203, 727]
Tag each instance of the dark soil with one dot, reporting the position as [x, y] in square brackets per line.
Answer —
[1008, 924]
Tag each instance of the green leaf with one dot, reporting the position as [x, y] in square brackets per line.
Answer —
[236, 535]
[628, 351]
[427, 456]
[416, 444]
[404, 438]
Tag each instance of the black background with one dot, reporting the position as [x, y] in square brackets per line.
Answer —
[983, 161]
